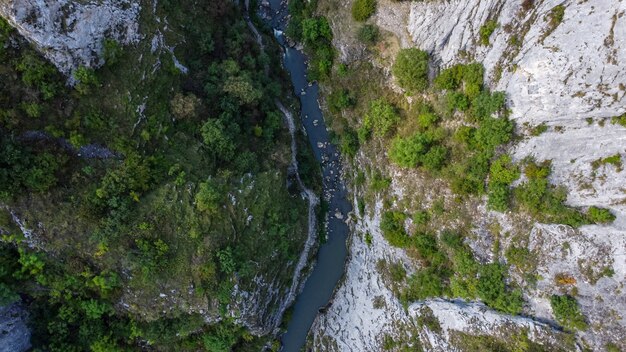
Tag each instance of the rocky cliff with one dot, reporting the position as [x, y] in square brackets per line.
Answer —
[566, 77]
[71, 33]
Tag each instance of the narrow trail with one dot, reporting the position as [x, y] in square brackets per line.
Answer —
[312, 198]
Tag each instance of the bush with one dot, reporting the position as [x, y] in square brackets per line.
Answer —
[349, 143]
[493, 291]
[315, 29]
[363, 9]
[340, 100]
[381, 117]
[86, 80]
[600, 215]
[411, 70]
[567, 312]
[368, 34]
[418, 149]
[556, 15]
[485, 104]
[486, 30]
[424, 284]
[392, 226]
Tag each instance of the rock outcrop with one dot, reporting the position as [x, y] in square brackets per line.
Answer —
[71, 33]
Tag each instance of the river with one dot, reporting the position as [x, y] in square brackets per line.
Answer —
[331, 256]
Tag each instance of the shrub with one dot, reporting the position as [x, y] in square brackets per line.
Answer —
[486, 30]
[556, 15]
[411, 70]
[456, 101]
[363, 9]
[349, 143]
[427, 119]
[381, 117]
[86, 80]
[418, 149]
[392, 226]
[600, 215]
[424, 284]
[567, 312]
[501, 174]
[485, 104]
[493, 291]
[340, 100]
[503, 170]
[368, 34]
[315, 29]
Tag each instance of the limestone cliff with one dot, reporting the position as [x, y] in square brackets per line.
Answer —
[567, 76]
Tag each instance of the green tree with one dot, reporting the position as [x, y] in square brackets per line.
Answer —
[217, 140]
[208, 197]
[381, 117]
[411, 70]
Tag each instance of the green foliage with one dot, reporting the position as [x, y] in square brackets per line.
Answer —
[368, 34]
[217, 140]
[40, 74]
[392, 226]
[341, 100]
[485, 104]
[425, 283]
[381, 117]
[600, 215]
[411, 70]
[349, 145]
[501, 174]
[315, 29]
[493, 291]
[209, 197]
[567, 312]
[418, 149]
[545, 201]
[363, 9]
[486, 30]
[556, 15]
[112, 52]
[86, 80]
[615, 160]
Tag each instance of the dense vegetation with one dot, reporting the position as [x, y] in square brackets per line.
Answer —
[153, 188]
[315, 33]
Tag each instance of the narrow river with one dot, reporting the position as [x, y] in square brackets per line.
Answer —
[332, 254]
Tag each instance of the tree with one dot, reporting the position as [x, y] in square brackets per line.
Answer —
[216, 139]
[184, 106]
[86, 80]
[208, 197]
[411, 70]
[381, 117]
[243, 89]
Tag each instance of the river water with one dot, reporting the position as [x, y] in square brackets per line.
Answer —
[331, 257]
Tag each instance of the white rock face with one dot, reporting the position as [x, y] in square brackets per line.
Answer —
[70, 33]
[364, 309]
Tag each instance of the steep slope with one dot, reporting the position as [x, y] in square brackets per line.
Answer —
[559, 64]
